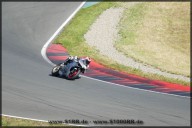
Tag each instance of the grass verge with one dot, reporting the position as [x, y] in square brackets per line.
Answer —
[72, 38]
[10, 121]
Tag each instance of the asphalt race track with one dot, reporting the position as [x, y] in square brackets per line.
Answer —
[29, 91]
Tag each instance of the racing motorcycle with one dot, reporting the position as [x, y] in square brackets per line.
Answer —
[70, 71]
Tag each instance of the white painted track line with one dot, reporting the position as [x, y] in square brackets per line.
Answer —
[18, 117]
[46, 121]
[43, 50]
[133, 87]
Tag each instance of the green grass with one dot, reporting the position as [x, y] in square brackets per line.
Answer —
[72, 38]
[158, 34]
[10, 121]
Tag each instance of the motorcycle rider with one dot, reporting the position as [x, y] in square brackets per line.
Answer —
[85, 60]
[70, 59]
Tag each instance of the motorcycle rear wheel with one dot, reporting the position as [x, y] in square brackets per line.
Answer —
[73, 74]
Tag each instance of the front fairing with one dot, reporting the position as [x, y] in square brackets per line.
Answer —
[82, 63]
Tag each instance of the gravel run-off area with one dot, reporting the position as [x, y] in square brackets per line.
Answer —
[104, 32]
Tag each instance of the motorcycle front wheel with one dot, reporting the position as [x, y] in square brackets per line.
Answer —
[55, 71]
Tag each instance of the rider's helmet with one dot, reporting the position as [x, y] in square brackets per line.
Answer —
[75, 57]
[87, 60]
